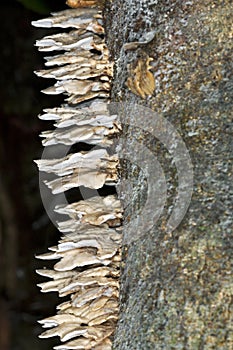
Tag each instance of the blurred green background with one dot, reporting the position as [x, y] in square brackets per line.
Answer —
[25, 229]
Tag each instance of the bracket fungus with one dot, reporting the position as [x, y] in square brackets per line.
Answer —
[83, 3]
[88, 254]
[95, 211]
[92, 125]
[91, 169]
[141, 80]
[95, 135]
[89, 19]
[78, 39]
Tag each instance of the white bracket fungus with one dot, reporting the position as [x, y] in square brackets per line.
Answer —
[95, 211]
[89, 253]
[89, 19]
[91, 169]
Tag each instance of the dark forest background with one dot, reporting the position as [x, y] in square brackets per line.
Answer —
[25, 229]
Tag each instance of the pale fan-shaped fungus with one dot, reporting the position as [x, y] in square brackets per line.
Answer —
[89, 252]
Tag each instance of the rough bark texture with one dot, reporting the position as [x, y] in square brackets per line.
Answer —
[176, 288]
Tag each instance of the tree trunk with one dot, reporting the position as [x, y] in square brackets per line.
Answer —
[176, 286]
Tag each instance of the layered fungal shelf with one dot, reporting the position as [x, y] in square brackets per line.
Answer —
[89, 252]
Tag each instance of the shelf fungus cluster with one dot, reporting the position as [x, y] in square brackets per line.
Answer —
[88, 254]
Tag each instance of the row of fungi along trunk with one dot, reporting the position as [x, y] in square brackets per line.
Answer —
[89, 252]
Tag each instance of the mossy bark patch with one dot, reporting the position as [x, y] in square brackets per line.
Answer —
[176, 288]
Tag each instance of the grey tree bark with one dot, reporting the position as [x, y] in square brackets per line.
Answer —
[176, 290]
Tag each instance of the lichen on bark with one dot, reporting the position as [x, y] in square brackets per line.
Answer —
[176, 288]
